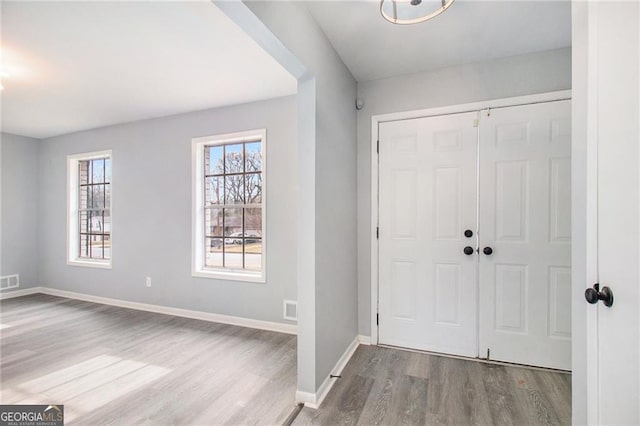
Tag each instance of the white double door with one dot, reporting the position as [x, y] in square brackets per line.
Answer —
[474, 234]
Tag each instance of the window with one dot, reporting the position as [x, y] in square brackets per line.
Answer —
[229, 206]
[89, 209]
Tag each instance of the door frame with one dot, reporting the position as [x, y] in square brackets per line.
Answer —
[429, 112]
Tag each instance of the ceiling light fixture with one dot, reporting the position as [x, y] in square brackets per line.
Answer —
[405, 12]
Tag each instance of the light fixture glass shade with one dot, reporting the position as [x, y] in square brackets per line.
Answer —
[406, 12]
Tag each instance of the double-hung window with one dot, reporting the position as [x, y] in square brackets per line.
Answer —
[229, 206]
[89, 209]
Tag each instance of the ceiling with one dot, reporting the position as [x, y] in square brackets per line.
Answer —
[80, 65]
[469, 31]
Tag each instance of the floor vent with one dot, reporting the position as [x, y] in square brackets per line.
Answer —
[291, 310]
[9, 281]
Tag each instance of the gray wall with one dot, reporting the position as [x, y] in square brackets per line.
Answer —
[331, 296]
[515, 76]
[152, 212]
[20, 201]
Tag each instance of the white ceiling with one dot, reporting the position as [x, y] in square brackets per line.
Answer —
[81, 65]
[469, 31]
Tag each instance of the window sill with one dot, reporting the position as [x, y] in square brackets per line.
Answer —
[90, 263]
[252, 277]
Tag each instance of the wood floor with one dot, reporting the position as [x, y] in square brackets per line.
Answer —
[118, 366]
[395, 387]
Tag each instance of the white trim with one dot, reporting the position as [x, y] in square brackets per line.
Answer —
[72, 254]
[197, 210]
[430, 112]
[364, 340]
[20, 293]
[178, 312]
[314, 400]
[306, 398]
[474, 106]
[91, 263]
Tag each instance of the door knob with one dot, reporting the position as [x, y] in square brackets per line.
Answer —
[468, 233]
[468, 250]
[593, 295]
[487, 250]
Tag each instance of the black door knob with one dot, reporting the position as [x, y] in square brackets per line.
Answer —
[468, 233]
[593, 295]
[487, 250]
[468, 250]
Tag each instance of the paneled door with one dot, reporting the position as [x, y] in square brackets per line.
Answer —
[525, 234]
[609, 115]
[427, 200]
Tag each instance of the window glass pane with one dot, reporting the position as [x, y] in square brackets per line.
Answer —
[253, 253]
[253, 157]
[107, 246]
[213, 222]
[213, 160]
[84, 220]
[98, 171]
[97, 248]
[96, 197]
[233, 224]
[107, 189]
[234, 189]
[213, 252]
[83, 202]
[96, 224]
[254, 188]
[214, 190]
[83, 176]
[84, 245]
[107, 222]
[233, 253]
[253, 222]
[233, 159]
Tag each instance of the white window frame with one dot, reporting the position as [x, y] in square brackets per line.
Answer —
[198, 269]
[73, 233]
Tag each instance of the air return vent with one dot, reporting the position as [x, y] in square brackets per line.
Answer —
[9, 281]
[291, 310]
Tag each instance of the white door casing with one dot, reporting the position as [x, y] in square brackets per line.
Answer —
[525, 218]
[428, 287]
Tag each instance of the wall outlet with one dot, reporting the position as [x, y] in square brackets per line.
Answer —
[147, 281]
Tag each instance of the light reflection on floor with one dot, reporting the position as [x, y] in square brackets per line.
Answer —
[86, 386]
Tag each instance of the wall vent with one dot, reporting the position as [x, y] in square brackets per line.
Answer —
[291, 310]
[9, 281]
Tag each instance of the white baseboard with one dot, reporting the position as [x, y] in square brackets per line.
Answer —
[178, 312]
[364, 340]
[314, 400]
[307, 398]
[17, 293]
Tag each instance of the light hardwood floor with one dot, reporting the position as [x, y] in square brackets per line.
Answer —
[111, 365]
[395, 387]
[118, 366]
